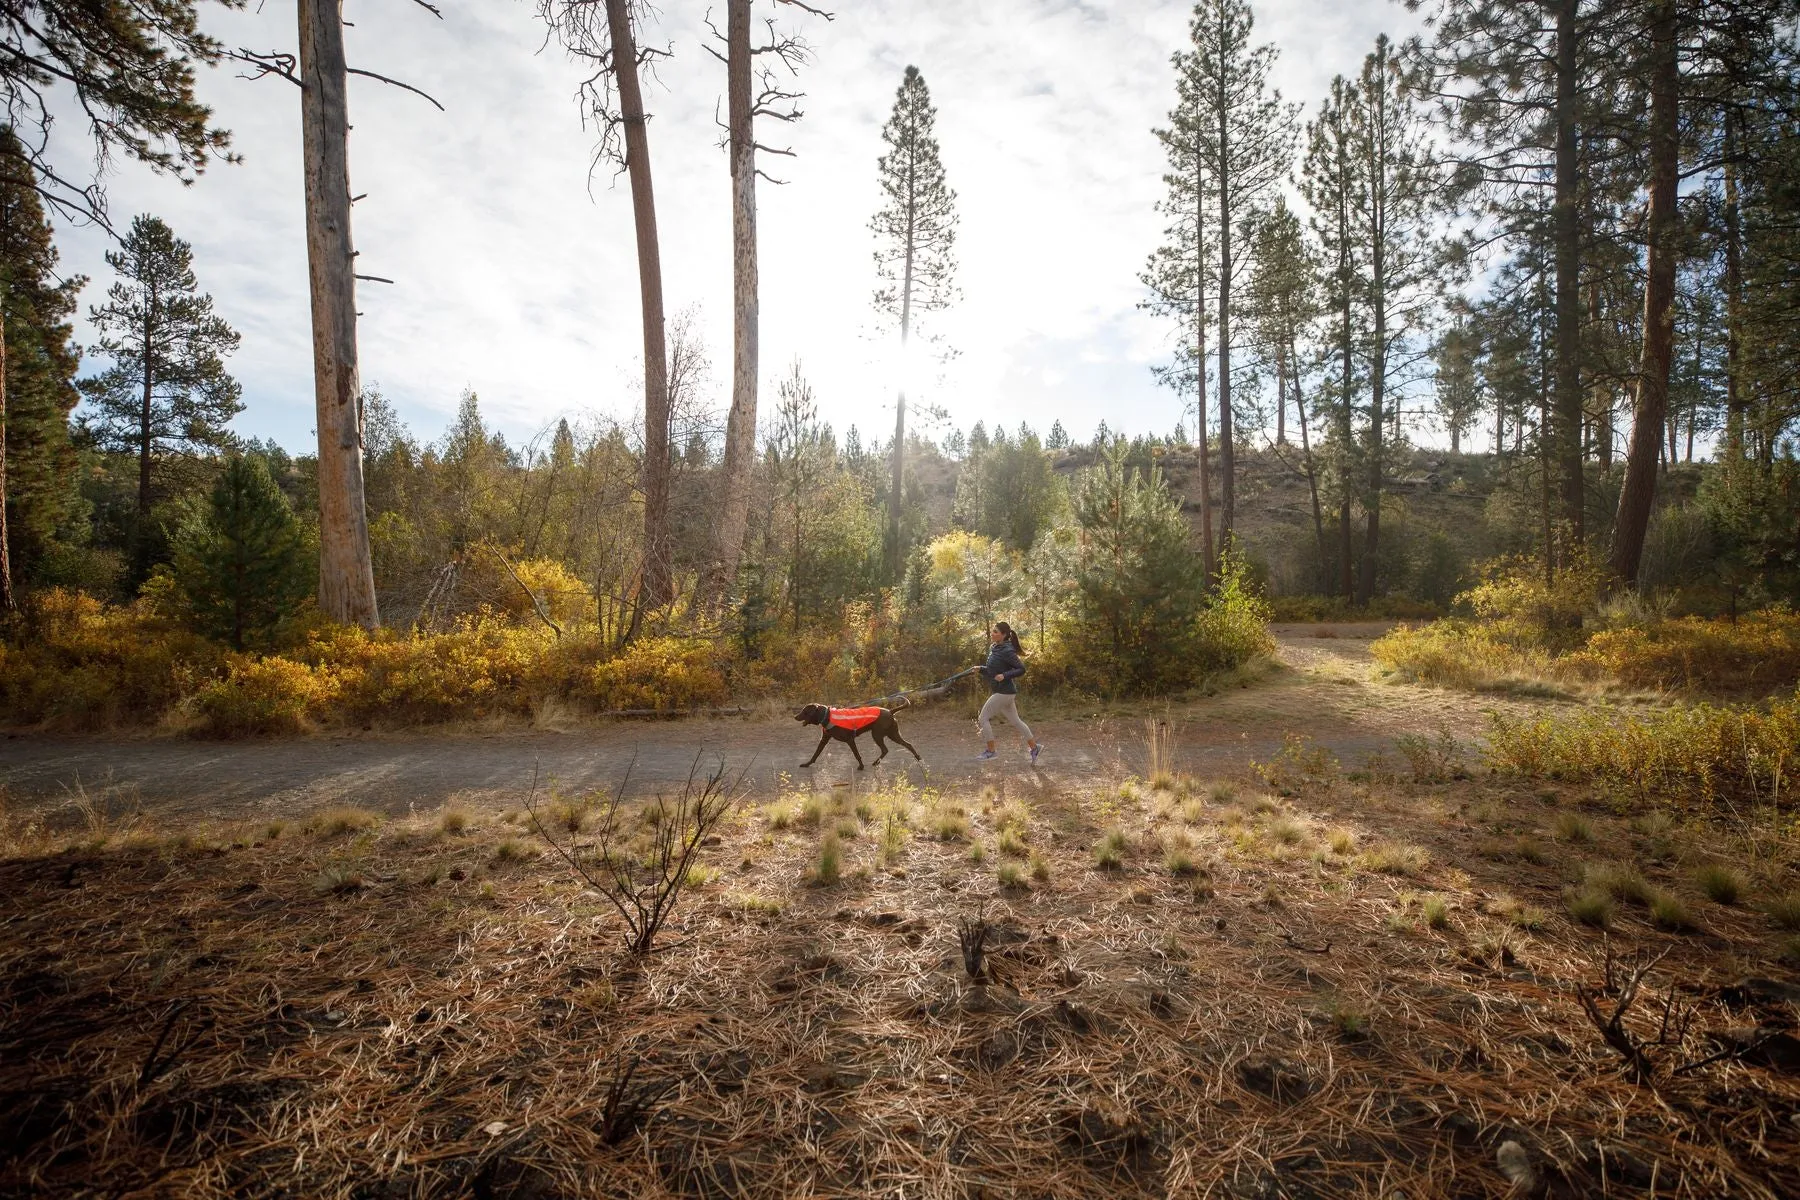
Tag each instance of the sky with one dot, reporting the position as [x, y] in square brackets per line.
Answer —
[515, 271]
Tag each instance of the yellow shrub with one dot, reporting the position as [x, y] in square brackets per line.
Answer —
[1698, 751]
[1519, 607]
[266, 696]
[1757, 655]
[666, 674]
[86, 666]
[1459, 654]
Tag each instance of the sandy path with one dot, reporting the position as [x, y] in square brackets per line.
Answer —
[1321, 687]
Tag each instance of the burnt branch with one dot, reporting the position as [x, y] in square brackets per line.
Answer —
[1611, 1026]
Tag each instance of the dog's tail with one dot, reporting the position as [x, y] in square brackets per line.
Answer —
[905, 702]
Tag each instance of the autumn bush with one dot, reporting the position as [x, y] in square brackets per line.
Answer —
[82, 665]
[1517, 631]
[1704, 752]
[265, 696]
[1756, 655]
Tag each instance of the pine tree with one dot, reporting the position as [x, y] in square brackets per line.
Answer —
[1176, 274]
[167, 390]
[1138, 587]
[915, 234]
[130, 67]
[1283, 308]
[1329, 183]
[1398, 261]
[1246, 137]
[241, 559]
[1532, 92]
[1458, 392]
[37, 383]
[1058, 438]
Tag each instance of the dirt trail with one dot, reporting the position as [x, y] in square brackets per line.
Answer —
[1321, 686]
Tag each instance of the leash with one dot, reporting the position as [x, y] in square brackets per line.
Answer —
[930, 689]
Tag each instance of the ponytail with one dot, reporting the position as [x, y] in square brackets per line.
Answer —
[1006, 631]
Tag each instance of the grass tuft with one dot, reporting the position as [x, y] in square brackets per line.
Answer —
[1591, 907]
[332, 822]
[1109, 851]
[1574, 828]
[340, 879]
[1396, 858]
[1011, 844]
[453, 821]
[1667, 911]
[1436, 911]
[513, 851]
[1721, 884]
[1040, 869]
[1618, 881]
[830, 863]
[1342, 841]
[1784, 910]
[1012, 875]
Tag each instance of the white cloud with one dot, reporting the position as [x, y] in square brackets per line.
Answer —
[511, 281]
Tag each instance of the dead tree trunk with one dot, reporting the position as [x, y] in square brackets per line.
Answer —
[740, 425]
[1659, 298]
[346, 575]
[657, 586]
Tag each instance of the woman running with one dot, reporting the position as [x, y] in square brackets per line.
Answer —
[1002, 667]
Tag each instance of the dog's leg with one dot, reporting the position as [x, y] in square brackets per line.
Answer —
[851, 742]
[880, 745]
[896, 736]
[823, 738]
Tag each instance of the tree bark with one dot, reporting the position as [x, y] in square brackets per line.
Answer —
[896, 496]
[1659, 298]
[1377, 182]
[1208, 551]
[1565, 218]
[346, 574]
[740, 424]
[1227, 437]
[1734, 278]
[656, 589]
[1312, 474]
[146, 430]
[7, 602]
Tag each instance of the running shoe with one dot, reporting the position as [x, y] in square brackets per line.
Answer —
[1034, 753]
[986, 756]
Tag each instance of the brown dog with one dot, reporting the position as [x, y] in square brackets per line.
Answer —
[847, 724]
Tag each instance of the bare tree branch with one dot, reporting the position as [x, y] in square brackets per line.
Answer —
[395, 82]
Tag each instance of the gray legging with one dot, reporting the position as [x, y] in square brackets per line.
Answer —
[1001, 704]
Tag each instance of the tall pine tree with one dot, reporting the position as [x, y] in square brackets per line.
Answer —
[1246, 138]
[37, 386]
[915, 235]
[167, 390]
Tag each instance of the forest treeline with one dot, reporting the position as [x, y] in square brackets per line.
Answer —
[1562, 232]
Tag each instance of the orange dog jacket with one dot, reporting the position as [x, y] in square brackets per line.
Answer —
[853, 718]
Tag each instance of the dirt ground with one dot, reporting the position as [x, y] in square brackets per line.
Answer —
[1310, 984]
[1322, 686]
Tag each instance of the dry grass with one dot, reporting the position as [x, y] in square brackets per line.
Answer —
[196, 1016]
